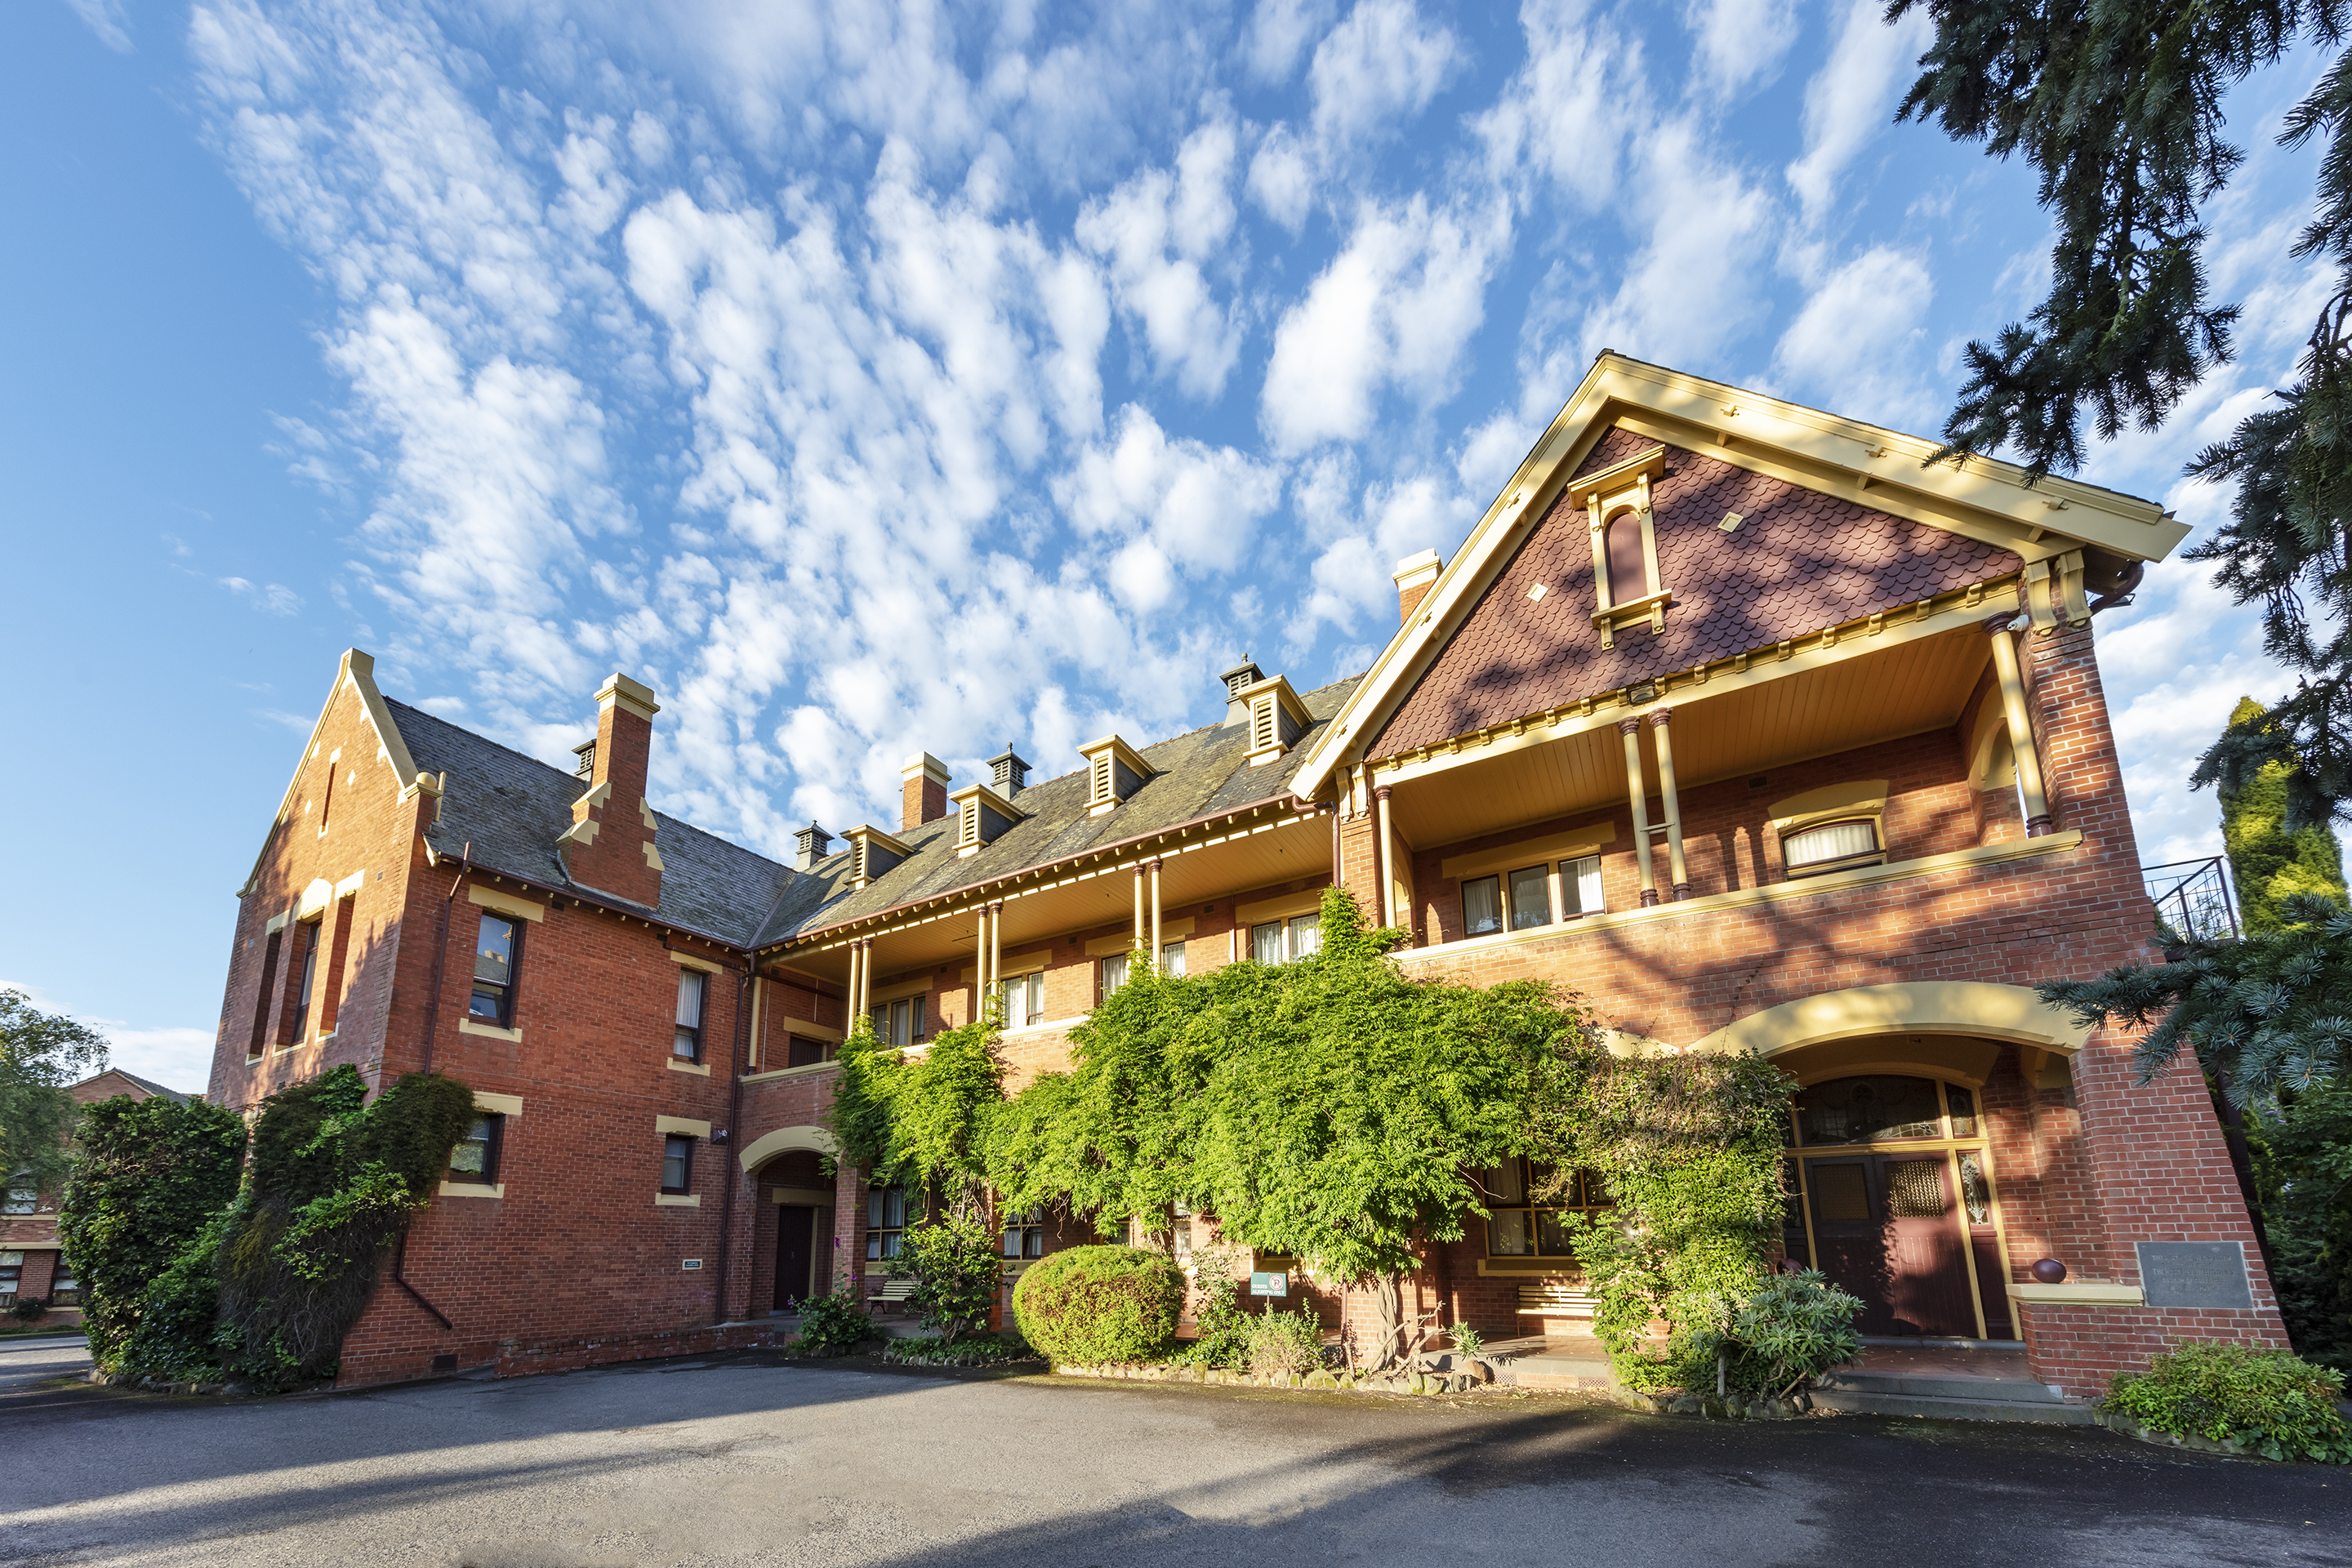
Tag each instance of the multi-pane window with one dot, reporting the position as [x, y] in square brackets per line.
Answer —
[677, 1163]
[802, 1051]
[12, 1274]
[1281, 942]
[475, 1161]
[900, 1023]
[1882, 1107]
[1172, 959]
[23, 1196]
[1522, 901]
[1024, 1233]
[64, 1290]
[885, 1222]
[497, 953]
[1023, 996]
[1522, 1225]
[268, 985]
[307, 938]
[1115, 967]
[686, 1040]
[1831, 847]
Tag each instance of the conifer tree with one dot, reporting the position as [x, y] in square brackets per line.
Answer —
[2116, 105]
[2269, 864]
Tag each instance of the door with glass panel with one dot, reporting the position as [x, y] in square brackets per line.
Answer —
[1898, 1204]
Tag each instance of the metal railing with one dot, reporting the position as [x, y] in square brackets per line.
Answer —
[2193, 897]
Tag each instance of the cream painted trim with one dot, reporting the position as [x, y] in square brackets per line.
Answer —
[1980, 499]
[1014, 963]
[1170, 931]
[1532, 1268]
[1911, 1007]
[685, 1124]
[315, 898]
[357, 669]
[473, 1190]
[1304, 903]
[814, 1197]
[1865, 797]
[630, 696]
[468, 1027]
[505, 1105]
[677, 1200]
[351, 884]
[785, 1140]
[787, 1072]
[804, 1027]
[1893, 1068]
[504, 903]
[689, 960]
[277, 922]
[702, 1068]
[898, 993]
[1574, 842]
[2083, 1293]
[1806, 887]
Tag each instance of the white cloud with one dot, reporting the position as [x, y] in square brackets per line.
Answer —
[1199, 503]
[1739, 44]
[1380, 65]
[1852, 98]
[1560, 116]
[175, 1056]
[1279, 32]
[1689, 289]
[1856, 346]
[1392, 310]
[1281, 180]
[270, 598]
[1155, 232]
[105, 18]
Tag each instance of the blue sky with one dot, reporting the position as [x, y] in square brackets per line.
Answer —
[879, 379]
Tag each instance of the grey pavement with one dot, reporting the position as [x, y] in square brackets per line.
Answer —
[754, 1458]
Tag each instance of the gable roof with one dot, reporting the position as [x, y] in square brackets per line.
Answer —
[357, 670]
[510, 808]
[1202, 773]
[1798, 561]
[1881, 476]
[147, 1086]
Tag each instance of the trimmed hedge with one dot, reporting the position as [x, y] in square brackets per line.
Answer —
[2273, 1402]
[1093, 1305]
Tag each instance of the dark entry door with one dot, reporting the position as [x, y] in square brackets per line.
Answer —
[1889, 1231]
[795, 1251]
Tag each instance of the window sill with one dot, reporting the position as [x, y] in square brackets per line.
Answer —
[491, 1031]
[677, 1200]
[678, 1065]
[473, 1190]
[251, 1061]
[801, 1071]
[1984, 855]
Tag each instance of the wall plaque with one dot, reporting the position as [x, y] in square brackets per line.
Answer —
[2195, 1274]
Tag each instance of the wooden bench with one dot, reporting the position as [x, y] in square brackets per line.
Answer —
[890, 1290]
[1554, 1298]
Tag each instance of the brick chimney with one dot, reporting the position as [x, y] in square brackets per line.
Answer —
[1415, 574]
[609, 847]
[924, 797]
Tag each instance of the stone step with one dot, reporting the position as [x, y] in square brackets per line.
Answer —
[1928, 1385]
[1856, 1403]
[1557, 1372]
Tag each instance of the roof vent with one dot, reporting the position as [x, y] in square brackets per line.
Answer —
[815, 843]
[587, 751]
[1009, 771]
[1114, 772]
[1240, 676]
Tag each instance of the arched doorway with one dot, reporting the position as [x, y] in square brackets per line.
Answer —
[793, 1251]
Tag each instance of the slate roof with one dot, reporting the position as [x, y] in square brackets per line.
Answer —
[511, 808]
[1799, 562]
[1197, 775]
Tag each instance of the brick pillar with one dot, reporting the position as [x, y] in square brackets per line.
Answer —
[610, 844]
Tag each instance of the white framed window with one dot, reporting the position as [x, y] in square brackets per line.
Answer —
[1580, 887]
[1114, 972]
[1023, 996]
[900, 1023]
[23, 1197]
[1831, 847]
[12, 1274]
[1172, 959]
[1522, 899]
[686, 1041]
[1283, 941]
[1530, 898]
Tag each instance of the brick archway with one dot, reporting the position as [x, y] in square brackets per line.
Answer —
[783, 1140]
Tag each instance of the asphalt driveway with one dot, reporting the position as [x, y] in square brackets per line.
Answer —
[751, 1457]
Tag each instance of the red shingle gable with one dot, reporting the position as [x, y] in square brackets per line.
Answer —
[1800, 561]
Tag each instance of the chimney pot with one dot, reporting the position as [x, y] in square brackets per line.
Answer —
[1415, 574]
[610, 846]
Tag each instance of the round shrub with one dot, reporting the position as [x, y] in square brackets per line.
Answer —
[2272, 1401]
[1093, 1305]
[29, 1309]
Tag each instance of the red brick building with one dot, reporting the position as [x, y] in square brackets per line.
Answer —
[31, 1266]
[1730, 715]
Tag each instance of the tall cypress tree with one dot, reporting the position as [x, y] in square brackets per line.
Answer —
[2269, 864]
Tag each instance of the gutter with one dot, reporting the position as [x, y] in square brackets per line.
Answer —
[734, 1113]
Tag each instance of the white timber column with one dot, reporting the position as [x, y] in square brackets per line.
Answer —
[1677, 875]
[979, 967]
[857, 967]
[1640, 792]
[865, 976]
[1136, 939]
[996, 943]
[1383, 855]
[2021, 728]
[759, 1036]
[1155, 914]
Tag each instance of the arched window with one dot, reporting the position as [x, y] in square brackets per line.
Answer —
[1831, 847]
[1628, 578]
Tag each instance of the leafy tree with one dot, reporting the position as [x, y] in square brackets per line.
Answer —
[148, 1176]
[41, 1053]
[2303, 1152]
[2117, 107]
[957, 1270]
[2269, 864]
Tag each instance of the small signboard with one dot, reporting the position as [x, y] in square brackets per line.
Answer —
[2209, 1273]
[1270, 1285]
[689, 1263]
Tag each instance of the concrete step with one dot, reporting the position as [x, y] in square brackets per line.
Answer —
[1928, 1385]
[1557, 1372]
[1855, 1402]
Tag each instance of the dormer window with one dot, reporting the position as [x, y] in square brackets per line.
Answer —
[1276, 718]
[1626, 586]
[1114, 772]
[981, 816]
[874, 853]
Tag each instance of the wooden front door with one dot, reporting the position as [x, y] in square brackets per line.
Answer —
[1888, 1229]
[795, 1253]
